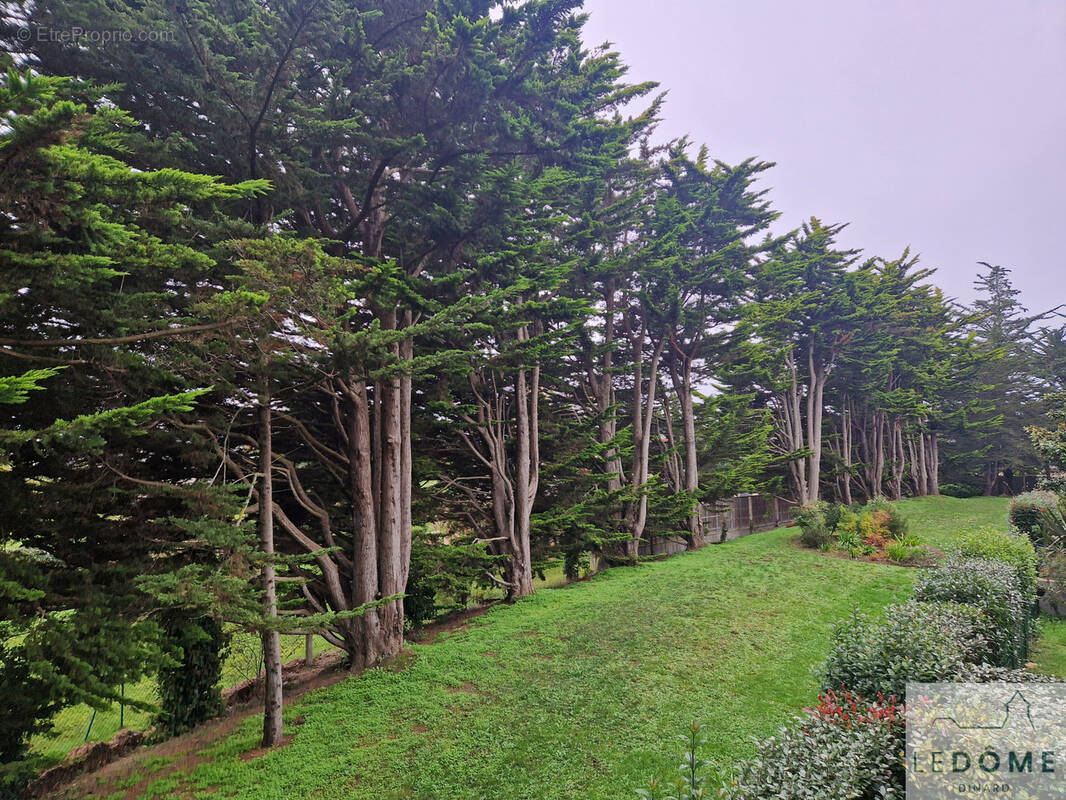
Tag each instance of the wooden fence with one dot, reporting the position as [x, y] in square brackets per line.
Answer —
[739, 516]
[747, 513]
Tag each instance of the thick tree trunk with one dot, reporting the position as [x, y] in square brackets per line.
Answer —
[363, 639]
[845, 448]
[682, 380]
[272, 706]
[934, 465]
[391, 577]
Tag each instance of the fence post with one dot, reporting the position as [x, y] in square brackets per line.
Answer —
[122, 706]
[309, 649]
[92, 719]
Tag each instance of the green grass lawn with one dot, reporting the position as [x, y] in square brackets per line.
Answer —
[939, 520]
[581, 691]
[1049, 652]
[78, 724]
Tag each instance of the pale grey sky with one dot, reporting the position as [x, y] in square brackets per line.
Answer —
[939, 124]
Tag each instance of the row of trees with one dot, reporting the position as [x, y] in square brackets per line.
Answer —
[439, 307]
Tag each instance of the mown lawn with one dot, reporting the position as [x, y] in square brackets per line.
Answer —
[1049, 652]
[582, 691]
[939, 520]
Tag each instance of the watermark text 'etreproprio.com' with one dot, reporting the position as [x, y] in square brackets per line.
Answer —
[77, 35]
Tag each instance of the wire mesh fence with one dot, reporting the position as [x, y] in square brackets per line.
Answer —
[77, 725]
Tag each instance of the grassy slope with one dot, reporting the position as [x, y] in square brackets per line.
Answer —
[938, 520]
[582, 691]
[578, 692]
[71, 726]
[75, 725]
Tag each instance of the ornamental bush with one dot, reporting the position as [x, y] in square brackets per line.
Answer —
[814, 530]
[914, 641]
[963, 490]
[1018, 551]
[990, 586]
[189, 679]
[1027, 513]
[846, 749]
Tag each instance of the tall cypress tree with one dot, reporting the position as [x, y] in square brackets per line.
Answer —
[1002, 327]
[377, 124]
[100, 266]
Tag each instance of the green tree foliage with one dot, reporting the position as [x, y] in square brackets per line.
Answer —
[1049, 440]
[190, 675]
[696, 282]
[1008, 380]
[454, 317]
[100, 265]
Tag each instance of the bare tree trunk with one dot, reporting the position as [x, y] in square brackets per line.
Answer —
[644, 413]
[527, 471]
[845, 448]
[363, 639]
[934, 465]
[814, 426]
[682, 380]
[501, 420]
[899, 459]
[390, 533]
[674, 469]
[923, 467]
[790, 429]
[272, 706]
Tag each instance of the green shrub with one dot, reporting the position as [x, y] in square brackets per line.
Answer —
[878, 504]
[853, 750]
[1053, 524]
[962, 490]
[1028, 512]
[189, 680]
[992, 588]
[814, 532]
[1018, 551]
[899, 552]
[832, 513]
[898, 527]
[914, 641]
[445, 574]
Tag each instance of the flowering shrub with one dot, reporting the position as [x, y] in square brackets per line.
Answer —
[869, 530]
[849, 709]
[846, 748]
